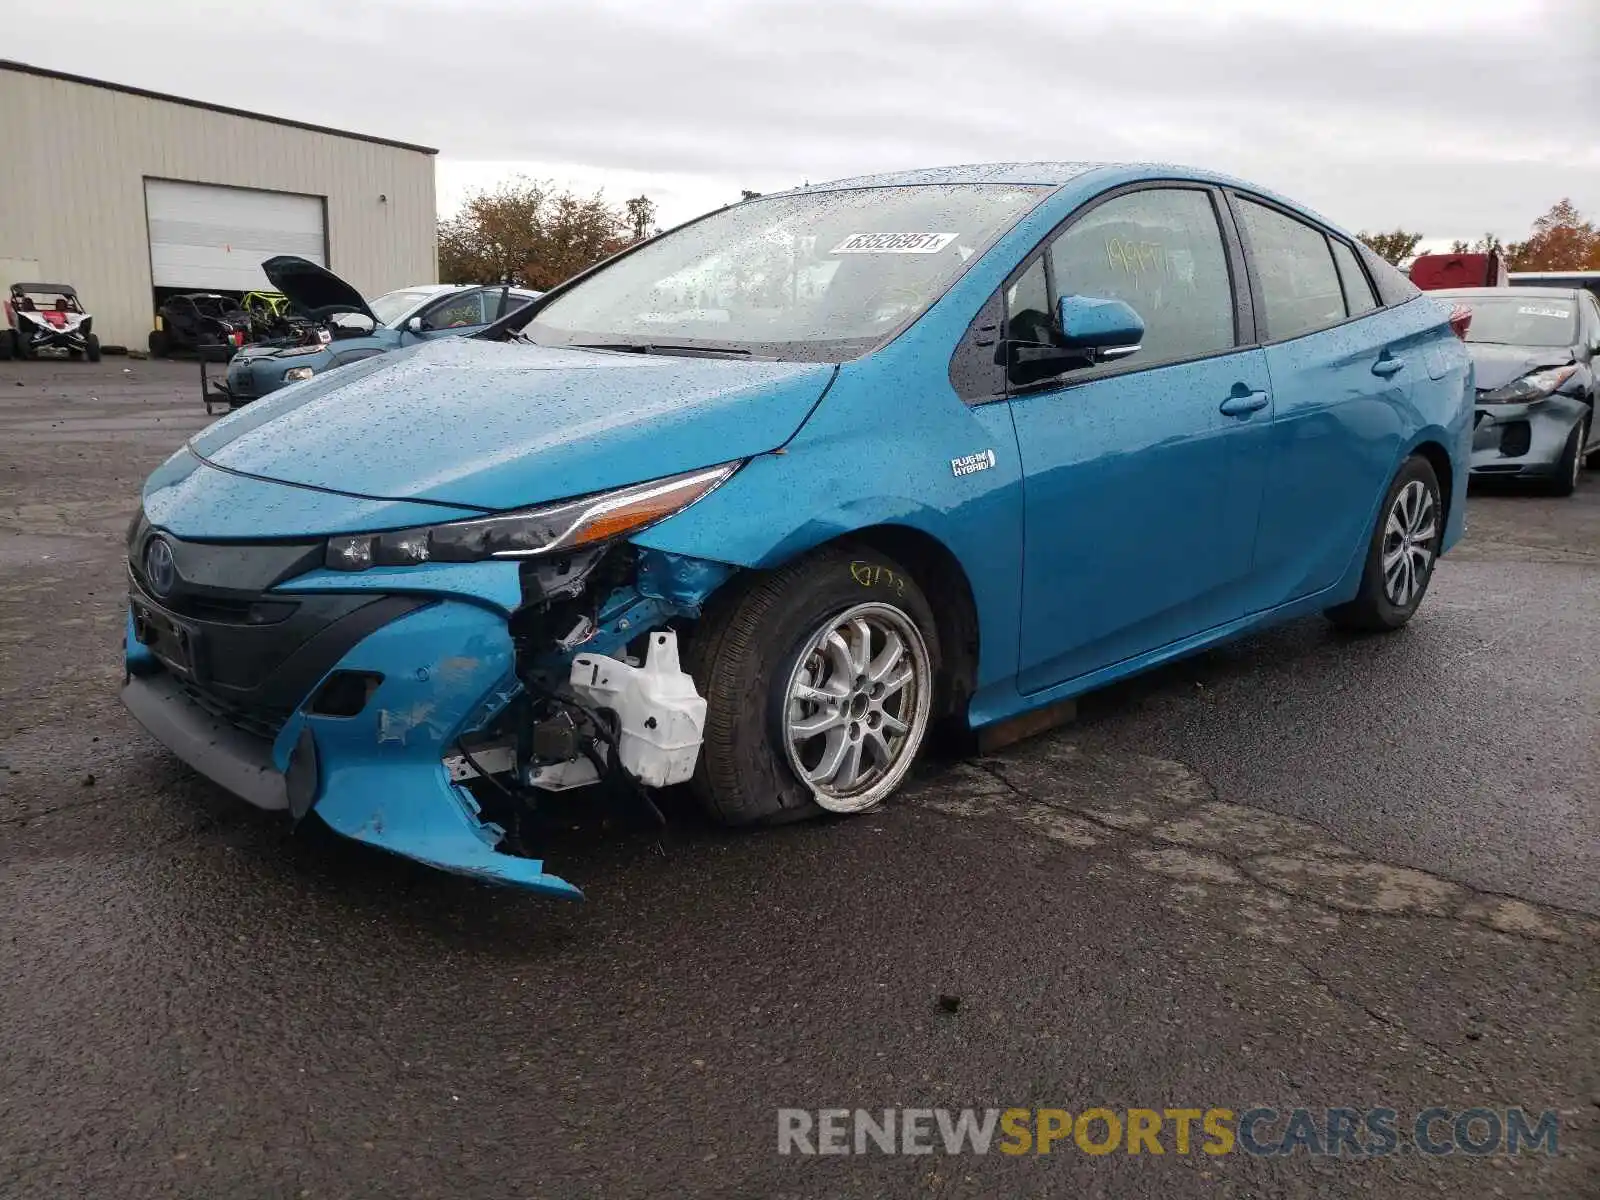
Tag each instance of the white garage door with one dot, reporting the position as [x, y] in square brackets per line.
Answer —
[205, 237]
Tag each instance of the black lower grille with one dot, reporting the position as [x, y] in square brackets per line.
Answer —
[1516, 438]
[256, 720]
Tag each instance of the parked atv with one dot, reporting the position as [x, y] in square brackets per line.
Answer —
[46, 316]
[195, 319]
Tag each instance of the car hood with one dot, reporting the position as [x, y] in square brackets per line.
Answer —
[1499, 365]
[315, 291]
[497, 425]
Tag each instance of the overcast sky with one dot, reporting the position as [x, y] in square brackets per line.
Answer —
[1452, 117]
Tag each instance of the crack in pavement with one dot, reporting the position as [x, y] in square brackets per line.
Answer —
[1342, 997]
[1170, 821]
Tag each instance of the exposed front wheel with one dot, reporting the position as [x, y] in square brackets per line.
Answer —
[6, 344]
[819, 684]
[1401, 554]
[91, 347]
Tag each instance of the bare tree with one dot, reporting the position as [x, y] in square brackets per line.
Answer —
[642, 217]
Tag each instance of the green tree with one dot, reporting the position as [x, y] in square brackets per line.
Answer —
[642, 217]
[1394, 247]
[528, 234]
[1561, 241]
[1487, 244]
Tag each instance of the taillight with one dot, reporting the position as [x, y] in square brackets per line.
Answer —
[6, 304]
[1460, 321]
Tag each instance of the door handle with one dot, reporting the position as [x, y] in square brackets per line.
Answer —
[1387, 365]
[1242, 404]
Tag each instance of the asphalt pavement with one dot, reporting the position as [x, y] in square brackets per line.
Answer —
[1306, 870]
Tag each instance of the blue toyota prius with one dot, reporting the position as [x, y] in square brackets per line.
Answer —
[758, 503]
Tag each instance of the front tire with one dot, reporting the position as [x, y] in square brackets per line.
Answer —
[1570, 465]
[819, 680]
[6, 345]
[91, 347]
[1401, 554]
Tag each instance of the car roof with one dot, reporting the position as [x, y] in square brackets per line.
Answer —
[1057, 176]
[1555, 275]
[1048, 174]
[434, 289]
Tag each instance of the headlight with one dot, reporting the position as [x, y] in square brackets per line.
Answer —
[1531, 387]
[532, 531]
[297, 373]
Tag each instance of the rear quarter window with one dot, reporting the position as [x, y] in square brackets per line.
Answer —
[1358, 294]
[1294, 269]
[1393, 287]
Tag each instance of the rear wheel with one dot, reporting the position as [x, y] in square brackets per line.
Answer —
[92, 347]
[1570, 466]
[818, 679]
[1401, 554]
[160, 343]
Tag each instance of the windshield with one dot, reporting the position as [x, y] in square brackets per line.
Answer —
[34, 300]
[818, 276]
[390, 307]
[1521, 320]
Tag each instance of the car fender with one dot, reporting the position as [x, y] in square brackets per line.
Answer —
[766, 516]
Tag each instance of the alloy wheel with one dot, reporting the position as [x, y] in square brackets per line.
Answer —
[1409, 534]
[857, 705]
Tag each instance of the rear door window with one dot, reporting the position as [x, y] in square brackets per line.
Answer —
[1294, 269]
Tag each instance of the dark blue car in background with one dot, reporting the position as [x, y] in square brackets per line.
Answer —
[355, 329]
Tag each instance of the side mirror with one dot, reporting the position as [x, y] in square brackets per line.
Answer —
[1106, 329]
[414, 325]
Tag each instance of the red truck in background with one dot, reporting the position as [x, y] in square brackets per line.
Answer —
[1432, 271]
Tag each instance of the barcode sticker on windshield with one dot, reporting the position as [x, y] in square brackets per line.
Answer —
[1543, 310]
[894, 243]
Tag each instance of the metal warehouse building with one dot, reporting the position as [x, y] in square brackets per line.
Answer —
[130, 196]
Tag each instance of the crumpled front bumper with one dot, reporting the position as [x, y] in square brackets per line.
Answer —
[377, 776]
[1523, 440]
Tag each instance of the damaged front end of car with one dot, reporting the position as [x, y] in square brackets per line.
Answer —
[421, 689]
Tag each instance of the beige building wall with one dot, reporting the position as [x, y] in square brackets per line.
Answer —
[74, 158]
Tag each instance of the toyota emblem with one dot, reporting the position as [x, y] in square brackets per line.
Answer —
[160, 571]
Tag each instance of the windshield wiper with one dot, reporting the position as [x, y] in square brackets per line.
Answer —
[663, 348]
